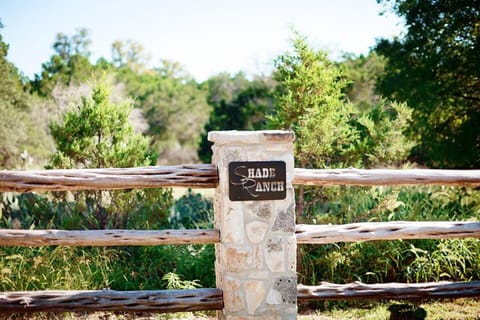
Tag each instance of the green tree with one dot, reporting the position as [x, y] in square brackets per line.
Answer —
[69, 65]
[238, 104]
[309, 101]
[18, 132]
[435, 68]
[97, 135]
[362, 73]
[176, 110]
[331, 132]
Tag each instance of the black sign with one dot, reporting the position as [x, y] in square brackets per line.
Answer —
[261, 180]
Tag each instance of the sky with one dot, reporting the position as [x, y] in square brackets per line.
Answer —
[206, 36]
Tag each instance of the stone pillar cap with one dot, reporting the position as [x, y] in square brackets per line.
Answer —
[251, 137]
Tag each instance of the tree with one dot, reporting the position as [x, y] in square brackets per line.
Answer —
[362, 73]
[69, 65]
[435, 68]
[175, 108]
[129, 54]
[18, 132]
[309, 101]
[330, 131]
[238, 104]
[97, 135]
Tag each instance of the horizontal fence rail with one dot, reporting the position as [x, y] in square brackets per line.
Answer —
[357, 290]
[35, 238]
[369, 231]
[195, 176]
[373, 177]
[205, 176]
[160, 301]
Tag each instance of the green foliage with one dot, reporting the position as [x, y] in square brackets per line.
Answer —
[55, 268]
[97, 135]
[192, 211]
[380, 135]
[310, 102]
[330, 131]
[394, 261]
[238, 104]
[435, 68]
[174, 106]
[362, 73]
[69, 65]
[18, 131]
[174, 282]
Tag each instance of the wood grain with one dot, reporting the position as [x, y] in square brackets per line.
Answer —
[195, 175]
[35, 238]
[160, 301]
[376, 177]
[358, 290]
[368, 231]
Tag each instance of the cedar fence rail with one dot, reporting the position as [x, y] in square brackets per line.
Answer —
[205, 176]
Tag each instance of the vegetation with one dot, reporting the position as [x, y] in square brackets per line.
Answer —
[411, 102]
[436, 70]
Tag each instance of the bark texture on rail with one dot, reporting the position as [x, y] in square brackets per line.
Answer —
[161, 301]
[358, 290]
[374, 177]
[195, 176]
[368, 231]
[35, 238]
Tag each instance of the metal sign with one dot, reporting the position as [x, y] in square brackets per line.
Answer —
[259, 180]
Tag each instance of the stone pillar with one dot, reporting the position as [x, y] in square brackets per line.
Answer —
[256, 257]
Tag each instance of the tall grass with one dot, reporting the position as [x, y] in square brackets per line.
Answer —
[119, 268]
[133, 268]
[385, 261]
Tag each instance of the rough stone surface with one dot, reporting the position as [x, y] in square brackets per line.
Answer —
[238, 259]
[275, 255]
[256, 231]
[262, 210]
[291, 254]
[232, 226]
[232, 298]
[287, 287]
[285, 220]
[256, 257]
[256, 294]
[273, 297]
[250, 137]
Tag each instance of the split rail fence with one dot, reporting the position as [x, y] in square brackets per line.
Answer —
[206, 176]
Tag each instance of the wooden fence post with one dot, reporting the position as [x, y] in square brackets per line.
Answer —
[255, 214]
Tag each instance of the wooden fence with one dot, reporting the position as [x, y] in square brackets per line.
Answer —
[205, 176]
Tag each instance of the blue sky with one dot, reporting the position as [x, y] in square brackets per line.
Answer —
[205, 36]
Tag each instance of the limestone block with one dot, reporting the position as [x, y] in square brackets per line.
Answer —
[260, 209]
[285, 220]
[232, 295]
[255, 294]
[291, 254]
[232, 224]
[275, 254]
[287, 287]
[256, 231]
[238, 259]
[273, 297]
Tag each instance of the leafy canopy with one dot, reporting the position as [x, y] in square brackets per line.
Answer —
[331, 131]
[435, 68]
[97, 134]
